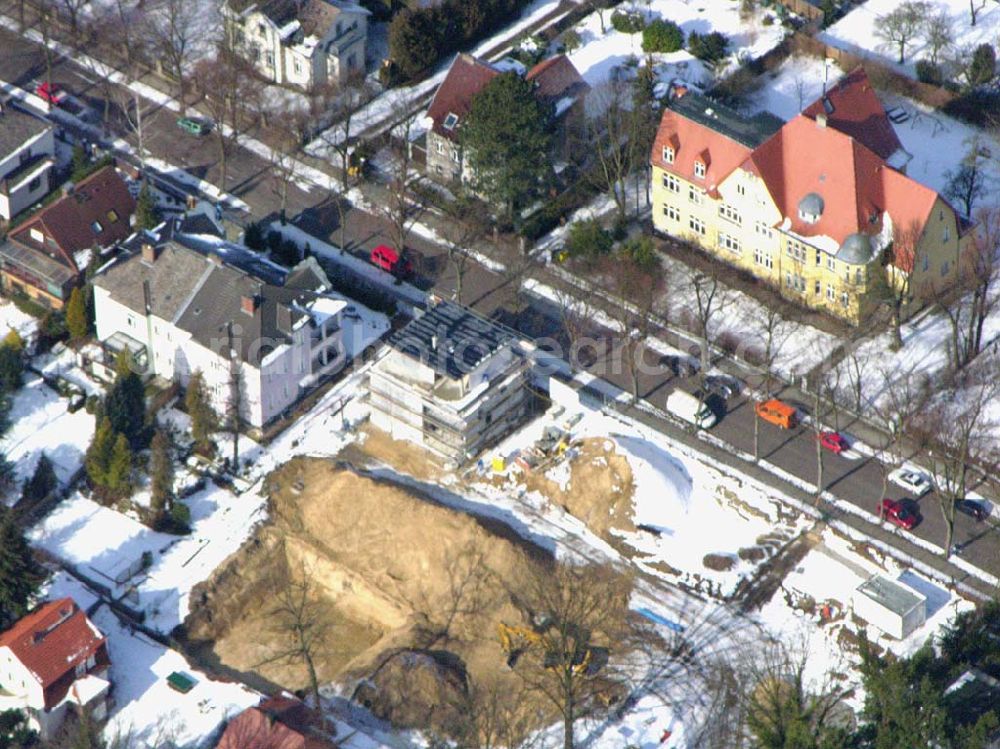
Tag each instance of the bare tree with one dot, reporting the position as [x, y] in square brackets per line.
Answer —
[710, 299]
[398, 208]
[960, 433]
[283, 133]
[72, 9]
[465, 225]
[902, 25]
[893, 288]
[236, 399]
[46, 18]
[974, 7]
[303, 621]
[341, 106]
[825, 382]
[858, 364]
[493, 716]
[774, 333]
[900, 398]
[579, 614]
[938, 34]
[177, 29]
[968, 183]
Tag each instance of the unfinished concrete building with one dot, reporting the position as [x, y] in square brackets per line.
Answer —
[450, 381]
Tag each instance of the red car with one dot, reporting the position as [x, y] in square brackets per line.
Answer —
[897, 513]
[833, 442]
[51, 92]
[386, 258]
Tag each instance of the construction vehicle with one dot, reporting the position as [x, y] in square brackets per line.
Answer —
[515, 640]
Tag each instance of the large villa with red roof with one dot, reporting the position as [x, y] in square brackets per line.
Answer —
[820, 206]
[53, 659]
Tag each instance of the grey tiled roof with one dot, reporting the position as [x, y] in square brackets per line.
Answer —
[16, 127]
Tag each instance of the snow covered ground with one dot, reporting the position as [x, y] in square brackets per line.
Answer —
[601, 53]
[103, 543]
[40, 422]
[856, 32]
[11, 318]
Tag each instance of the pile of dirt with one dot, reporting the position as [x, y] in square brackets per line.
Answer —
[413, 590]
[599, 491]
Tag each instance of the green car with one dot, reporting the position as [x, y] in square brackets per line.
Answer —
[194, 127]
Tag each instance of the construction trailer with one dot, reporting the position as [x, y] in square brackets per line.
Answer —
[890, 606]
[450, 381]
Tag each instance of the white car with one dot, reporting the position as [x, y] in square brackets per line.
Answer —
[916, 482]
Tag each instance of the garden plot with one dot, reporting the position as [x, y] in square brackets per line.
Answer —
[40, 421]
[857, 31]
[110, 547]
[601, 53]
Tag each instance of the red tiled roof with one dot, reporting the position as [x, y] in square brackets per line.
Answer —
[277, 723]
[103, 197]
[557, 77]
[466, 77]
[853, 107]
[52, 640]
[693, 142]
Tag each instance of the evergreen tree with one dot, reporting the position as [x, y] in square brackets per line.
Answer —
[11, 369]
[80, 163]
[7, 475]
[506, 137]
[98, 456]
[204, 420]
[119, 477]
[414, 41]
[20, 574]
[125, 406]
[161, 474]
[76, 315]
[42, 481]
[146, 215]
[14, 730]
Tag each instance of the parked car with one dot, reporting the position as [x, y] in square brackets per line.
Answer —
[916, 482]
[388, 259]
[691, 409]
[722, 385]
[897, 513]
[51, 93]
[192, 126]
[972, 509]
[833, 441]
[777, 412]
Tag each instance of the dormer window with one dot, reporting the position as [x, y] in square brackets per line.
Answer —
[96, 227]
[699, 169]
[450, 121]
[811, 208]
[668, 155]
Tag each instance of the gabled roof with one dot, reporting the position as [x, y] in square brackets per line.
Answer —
[277, 723]
[853, 107]
[316, 16]
[17, 128]
[466, 77]
[52, 640]
[95, 214]
[557, 78]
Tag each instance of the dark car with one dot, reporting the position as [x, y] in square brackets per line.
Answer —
[898, 513]
[722, 385]
[972, 509]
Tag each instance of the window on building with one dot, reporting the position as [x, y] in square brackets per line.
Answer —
[36, 235]
[729, 242]
[671, 212]
[450, 120]
[697, 225]
[671, 183]
[845, 299]
[763, 258]
[831, 264]
[261, 29]
[269, 58]
[741, 189]
[945, 267]
[668, 155]
[699, 169]
[859, 276]
[454, 155]
[96, 227]
[730, 214]
[819, 257]
[25, 155]
[440, 147]
[351, 61]
[34, 184]
[945, 234]
[763, 229]
[796, 251]
[695, 196]
[112, 216]
[926, 263]
[830, 294]
[297, 65]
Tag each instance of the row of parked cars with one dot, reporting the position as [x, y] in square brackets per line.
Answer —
[900, 512]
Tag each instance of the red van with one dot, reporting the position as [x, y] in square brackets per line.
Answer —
[388, 259]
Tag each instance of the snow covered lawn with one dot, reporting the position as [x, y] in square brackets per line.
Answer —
[40, 422]
[103, 543]
[599, 53]
[856, 32]
[11, 318]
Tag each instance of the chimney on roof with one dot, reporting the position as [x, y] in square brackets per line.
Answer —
[150, 252]
[248, 303]
[679, 90]
[821, 120]
[434, 342]
[68, 188]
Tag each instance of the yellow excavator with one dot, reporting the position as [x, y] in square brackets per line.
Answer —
[515, 640]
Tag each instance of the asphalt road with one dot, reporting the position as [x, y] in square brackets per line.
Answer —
[857, 480]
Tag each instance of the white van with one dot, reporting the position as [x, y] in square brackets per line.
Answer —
[685, 406]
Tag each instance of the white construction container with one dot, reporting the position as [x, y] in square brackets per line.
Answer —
[890, 606]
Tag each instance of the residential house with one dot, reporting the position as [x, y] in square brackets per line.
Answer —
[51, 661]
[820, 207]
[557, 83]
[45, 255]
[451, 381]
[302, 43]
[27, 155]
[182, 303]
[281, 722]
